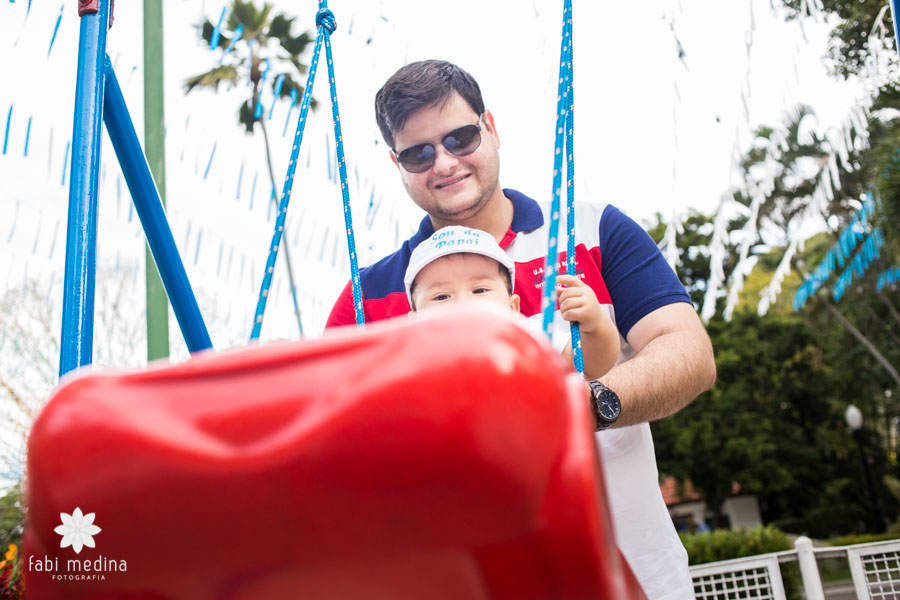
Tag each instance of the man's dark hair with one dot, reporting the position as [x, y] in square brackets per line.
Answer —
[418, 85]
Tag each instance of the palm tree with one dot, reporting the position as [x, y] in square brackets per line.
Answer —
[798, 172]
[794, 159]
[257, 47]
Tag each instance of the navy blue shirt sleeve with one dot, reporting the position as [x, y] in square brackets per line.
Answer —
[636, 274]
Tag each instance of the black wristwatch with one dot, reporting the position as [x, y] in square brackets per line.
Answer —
[605, 404]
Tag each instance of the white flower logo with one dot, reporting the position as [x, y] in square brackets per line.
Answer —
[78, 530]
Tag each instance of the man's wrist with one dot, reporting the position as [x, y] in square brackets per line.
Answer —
[605, 405]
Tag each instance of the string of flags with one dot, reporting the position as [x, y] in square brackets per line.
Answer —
[749, 233]
[852, 135]
[62, 8]
[868, 253]
[6, 135]
[770, 292]
[24, 21]
[717, 254]
[889, 277]
[203, 248]
[10, 126]
[839, 254]
[720, 229]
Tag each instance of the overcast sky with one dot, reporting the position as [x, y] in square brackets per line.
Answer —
[666, 93]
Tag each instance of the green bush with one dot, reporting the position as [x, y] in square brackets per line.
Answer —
[863, 538]
[11, 517]
[723, 544]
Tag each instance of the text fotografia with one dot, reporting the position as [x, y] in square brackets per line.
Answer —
[77, 569]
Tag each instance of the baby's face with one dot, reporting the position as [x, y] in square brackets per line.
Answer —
[460, 278]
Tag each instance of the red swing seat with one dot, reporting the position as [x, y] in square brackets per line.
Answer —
[448, 456]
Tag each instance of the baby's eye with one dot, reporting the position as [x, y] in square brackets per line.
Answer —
[480, 290]
[441, 297]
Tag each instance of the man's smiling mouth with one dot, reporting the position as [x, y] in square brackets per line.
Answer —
[451, 182]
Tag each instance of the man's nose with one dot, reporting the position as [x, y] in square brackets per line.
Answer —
[444, 162]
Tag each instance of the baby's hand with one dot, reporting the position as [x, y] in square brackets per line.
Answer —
[577, 302]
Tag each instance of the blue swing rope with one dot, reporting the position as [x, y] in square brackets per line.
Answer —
[342, 166]
[326, 25]
[564, 135]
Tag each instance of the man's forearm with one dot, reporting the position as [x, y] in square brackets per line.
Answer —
[664, 377]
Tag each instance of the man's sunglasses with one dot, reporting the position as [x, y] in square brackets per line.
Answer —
[459, 142]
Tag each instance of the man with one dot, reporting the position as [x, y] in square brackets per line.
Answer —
[445, 146]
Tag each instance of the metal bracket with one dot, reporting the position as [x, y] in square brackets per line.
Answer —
[88, 7]
[92, 7]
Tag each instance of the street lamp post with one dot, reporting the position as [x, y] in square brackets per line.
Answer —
[854, 419]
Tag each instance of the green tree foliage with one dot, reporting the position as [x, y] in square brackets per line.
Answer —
[882, 163]
[11, 517]
[799, 161]
[773, 423]
[264, 36]
[267, 45]
[757, 426]
[848, 38]
[797, 167]
[854, 25]
[693, 250]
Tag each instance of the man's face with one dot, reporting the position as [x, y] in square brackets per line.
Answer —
[462, 277]
[456, 188]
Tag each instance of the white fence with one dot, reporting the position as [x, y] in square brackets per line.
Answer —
[874, 568]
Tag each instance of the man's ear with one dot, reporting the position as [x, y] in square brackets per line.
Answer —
[488, 118]
[514, 302]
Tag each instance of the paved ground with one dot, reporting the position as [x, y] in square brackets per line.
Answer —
[839, 590]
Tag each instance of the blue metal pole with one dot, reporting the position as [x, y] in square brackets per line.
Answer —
[153, 217]
[76, 348]
[895, 6]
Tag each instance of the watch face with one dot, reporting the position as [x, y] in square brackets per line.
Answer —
[606, 403]
[609, 405]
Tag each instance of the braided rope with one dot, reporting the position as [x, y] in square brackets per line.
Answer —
[327, 15]
[326, 24]
[564, 143]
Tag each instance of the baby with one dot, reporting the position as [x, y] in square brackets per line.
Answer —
[459, 264]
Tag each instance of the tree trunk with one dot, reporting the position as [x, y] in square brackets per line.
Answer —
[720, 521]
[857, 334]
[891, 308]
[862, 340]
[284, 244]
[879, 322]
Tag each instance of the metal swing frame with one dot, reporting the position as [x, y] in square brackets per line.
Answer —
[98, 97]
